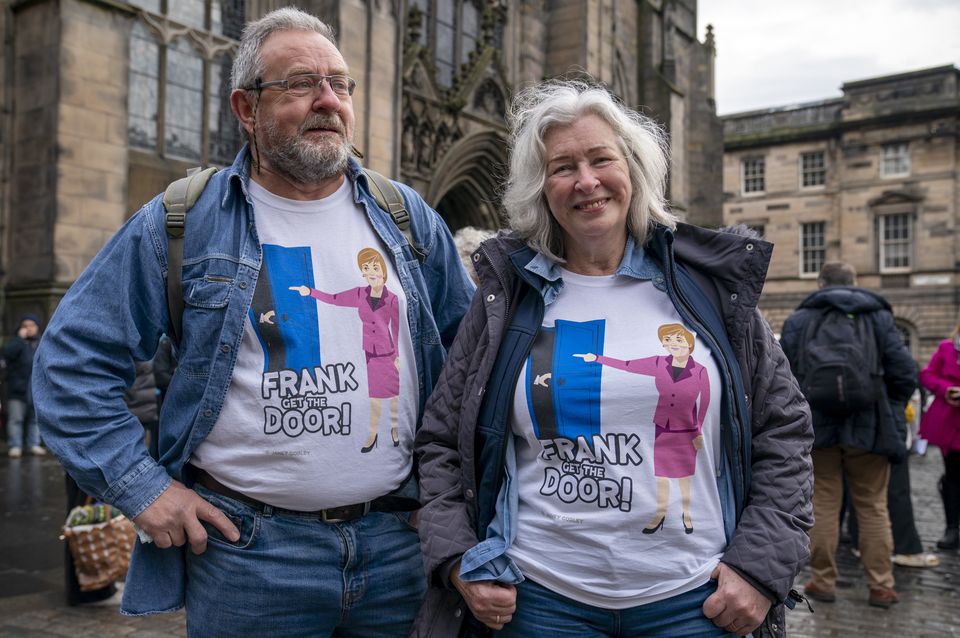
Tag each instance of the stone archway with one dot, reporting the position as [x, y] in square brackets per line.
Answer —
[468, 182]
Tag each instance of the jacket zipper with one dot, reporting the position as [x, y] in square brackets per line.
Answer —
[516, 375]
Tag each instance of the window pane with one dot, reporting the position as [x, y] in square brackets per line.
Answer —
[224, 135]
[813, 169]
[227, 17]
[144, 88]
[188, 12]
[469, 30]
[444, 73]
[895, 160]
[753, 175]
[445, 12]
[896, 244]
[813, 247]
[444, 54]
[149, 5]
[183, 111]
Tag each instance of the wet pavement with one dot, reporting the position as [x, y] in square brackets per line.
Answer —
[929, 604]
[32, 602]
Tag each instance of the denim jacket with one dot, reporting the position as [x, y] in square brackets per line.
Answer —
[116, 311]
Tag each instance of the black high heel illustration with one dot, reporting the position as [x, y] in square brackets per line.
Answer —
[656, 528]
[687, 530]
[371, 445]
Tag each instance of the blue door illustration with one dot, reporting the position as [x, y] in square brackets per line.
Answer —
[563, 392]
[286, 323]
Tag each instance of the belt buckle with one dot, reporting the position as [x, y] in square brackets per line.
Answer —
[326, 518]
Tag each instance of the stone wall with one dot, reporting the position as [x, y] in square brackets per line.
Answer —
[33, 154]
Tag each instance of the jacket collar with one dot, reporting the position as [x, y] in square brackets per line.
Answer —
[735, 262]
[547, 274]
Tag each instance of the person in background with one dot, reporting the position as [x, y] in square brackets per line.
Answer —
[18, 352]
[858, 445]
[537, 466]
[940, 425]
[468, 239]
[164, 366]
[142, 401]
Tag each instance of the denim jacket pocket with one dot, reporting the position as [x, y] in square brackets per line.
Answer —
[209, 291]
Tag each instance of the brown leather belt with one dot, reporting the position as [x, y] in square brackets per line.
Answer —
[342, 514]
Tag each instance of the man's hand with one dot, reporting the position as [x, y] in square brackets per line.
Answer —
[736, 606]
[491, 603]
[174, 519]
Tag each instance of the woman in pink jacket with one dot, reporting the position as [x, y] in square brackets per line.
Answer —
[941, 426]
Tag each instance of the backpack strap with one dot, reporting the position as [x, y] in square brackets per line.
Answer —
[389, 199]
[178, 199]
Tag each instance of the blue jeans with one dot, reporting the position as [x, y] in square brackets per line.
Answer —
[19, 412]
[292, 575]
[542, 612]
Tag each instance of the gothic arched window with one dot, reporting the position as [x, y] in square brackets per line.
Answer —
[451, 30]
[180, 59]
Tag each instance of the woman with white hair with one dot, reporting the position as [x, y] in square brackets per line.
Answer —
[570, 403]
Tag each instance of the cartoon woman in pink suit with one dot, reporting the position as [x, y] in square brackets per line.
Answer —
[379, 310]
[678, 418]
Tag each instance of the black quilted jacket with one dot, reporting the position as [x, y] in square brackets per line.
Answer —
[770, 543]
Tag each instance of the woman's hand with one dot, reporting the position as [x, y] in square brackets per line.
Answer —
[736, 605]
[303, 290]
[491, 603]
[952, 396]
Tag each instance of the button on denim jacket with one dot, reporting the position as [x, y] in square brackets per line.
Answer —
[117, 310]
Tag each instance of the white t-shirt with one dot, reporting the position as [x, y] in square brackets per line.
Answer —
[601, 440]
[326, 362]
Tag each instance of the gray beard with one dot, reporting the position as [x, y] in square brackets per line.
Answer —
[301, 161]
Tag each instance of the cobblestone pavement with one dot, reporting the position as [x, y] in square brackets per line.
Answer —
[929, 604]
[32, 599]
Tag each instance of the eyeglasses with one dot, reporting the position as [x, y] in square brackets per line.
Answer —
[305, 83]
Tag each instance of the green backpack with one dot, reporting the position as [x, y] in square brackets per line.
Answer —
[181, 195]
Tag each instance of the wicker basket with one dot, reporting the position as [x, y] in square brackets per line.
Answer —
[101, 551]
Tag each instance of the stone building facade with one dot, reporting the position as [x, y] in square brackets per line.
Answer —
[871, 178]
[107, 101]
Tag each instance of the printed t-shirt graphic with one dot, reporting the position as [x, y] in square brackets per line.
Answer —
[564, 392]
[617, 439]
[325, 383]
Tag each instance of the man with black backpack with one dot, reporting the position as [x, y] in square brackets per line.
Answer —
[286, 437]
[855, 371]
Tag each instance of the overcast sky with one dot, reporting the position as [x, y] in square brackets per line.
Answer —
[776, 53]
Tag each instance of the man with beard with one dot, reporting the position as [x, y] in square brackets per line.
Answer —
[294, 528]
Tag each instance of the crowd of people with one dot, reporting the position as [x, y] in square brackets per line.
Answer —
[593, 433]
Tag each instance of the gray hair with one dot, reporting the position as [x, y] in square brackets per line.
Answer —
[534, 112]
[837, 273]
[247, 63]
[467, 240]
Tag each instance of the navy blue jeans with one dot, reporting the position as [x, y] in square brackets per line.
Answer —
[542, 612]
[294, 576]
